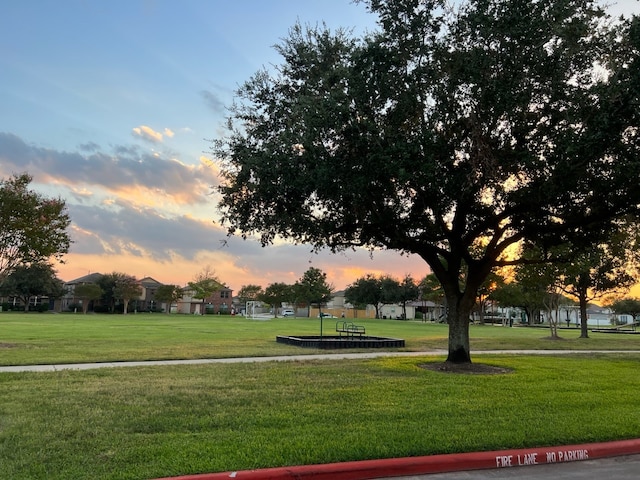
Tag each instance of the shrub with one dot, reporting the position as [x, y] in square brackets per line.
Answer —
[75, 307]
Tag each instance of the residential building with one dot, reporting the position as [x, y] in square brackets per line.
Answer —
[69, 299]
[219, 302]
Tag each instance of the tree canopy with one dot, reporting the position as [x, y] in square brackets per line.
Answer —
[248, 293]
[168, 294]
[365, 291]
[87, 292]
[276, 294]
[28, 281]
[204, 284]
[376, 291]
[601, 269]
[629, 306]
[450, 133]
[126, 288]
[33, 228]
[312, 288]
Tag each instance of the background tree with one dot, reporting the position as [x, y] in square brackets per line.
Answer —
[365, 291]
[126, 288]
[378, 291]
[249, 293]
[276, 294]
[56, 289]
[408, 292]
[605, 268]
[450, 134]
[627, 306]
[87, 292]
[592, 276]
[312, 288]
[107, 283]
[490, 285]
[205, 284]
[33, 228]
[511, 294]
[168, 294]
[28, 281]
[534, 280]
[390, 290]
[431, 291]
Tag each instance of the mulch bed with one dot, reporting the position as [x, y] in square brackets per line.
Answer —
[465, 368]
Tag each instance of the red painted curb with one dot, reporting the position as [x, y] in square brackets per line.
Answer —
[395, 467]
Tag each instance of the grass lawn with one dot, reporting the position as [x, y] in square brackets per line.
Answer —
[147, 422]
[70, 338]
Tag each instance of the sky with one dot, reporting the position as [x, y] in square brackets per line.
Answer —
[112, 106]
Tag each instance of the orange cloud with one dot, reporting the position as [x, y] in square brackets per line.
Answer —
[147, 133]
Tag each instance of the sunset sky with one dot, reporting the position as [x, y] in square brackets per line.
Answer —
[110, 105]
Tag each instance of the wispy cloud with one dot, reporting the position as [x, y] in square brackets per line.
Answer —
[125, 228]
[89, 147]
[126, 170]
[214, 102]
[149, 134]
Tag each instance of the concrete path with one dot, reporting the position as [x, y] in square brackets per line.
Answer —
[284, 358]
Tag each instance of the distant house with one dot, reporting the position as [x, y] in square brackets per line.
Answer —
[147, 300]
[69, 299]
[219, 302]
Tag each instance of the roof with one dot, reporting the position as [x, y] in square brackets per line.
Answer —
[90, 278]
[150, 282]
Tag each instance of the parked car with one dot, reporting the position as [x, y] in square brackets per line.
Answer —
[288, 312]
[326, 315]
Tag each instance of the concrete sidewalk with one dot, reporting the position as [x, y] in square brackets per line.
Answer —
[284, 358]
[202, 361]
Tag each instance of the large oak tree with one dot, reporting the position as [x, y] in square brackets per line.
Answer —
[450, 134]
[33, 227]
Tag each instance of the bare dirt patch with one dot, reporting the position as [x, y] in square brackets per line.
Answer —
[466, 368]
[553, 339]
[8, 345]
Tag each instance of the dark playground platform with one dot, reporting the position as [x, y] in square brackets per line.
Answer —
[331, 342]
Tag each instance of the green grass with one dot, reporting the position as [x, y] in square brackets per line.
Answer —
[68, 338]
[149, 422]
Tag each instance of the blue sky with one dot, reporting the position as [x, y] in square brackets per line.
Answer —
[110, 104]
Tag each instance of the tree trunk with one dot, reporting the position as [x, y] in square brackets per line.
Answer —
[584, 328]
[458, 318]
[553, 323]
